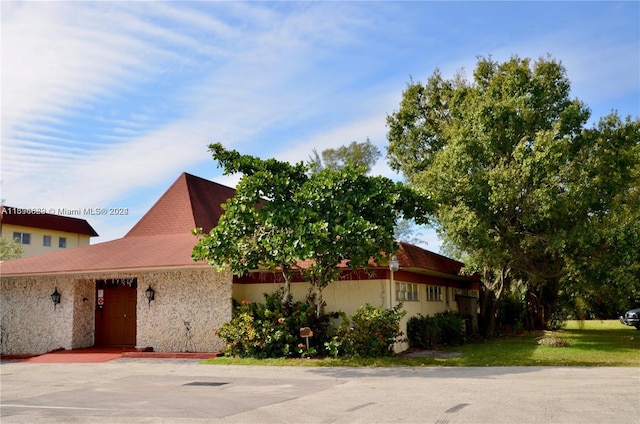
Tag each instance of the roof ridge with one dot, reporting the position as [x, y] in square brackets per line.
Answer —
[190, 202]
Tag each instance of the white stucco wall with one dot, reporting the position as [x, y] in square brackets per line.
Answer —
[348, 295]
[32, 325]
[201, 297]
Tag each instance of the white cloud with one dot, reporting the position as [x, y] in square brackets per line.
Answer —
[103, 99]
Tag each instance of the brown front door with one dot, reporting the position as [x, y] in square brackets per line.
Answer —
[116, 312]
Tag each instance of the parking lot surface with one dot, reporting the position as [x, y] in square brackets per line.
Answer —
[129, 390]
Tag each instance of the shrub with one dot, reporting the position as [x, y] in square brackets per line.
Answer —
[423, 332]
[426, 332]
[451, 332]
[272, 329]
[372, 332]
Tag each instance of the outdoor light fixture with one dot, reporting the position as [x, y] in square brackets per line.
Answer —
[55, 298]
[394, 265]
[150, 294]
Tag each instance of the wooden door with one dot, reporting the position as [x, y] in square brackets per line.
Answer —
[115, 313]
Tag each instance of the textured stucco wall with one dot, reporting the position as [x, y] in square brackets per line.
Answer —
[30, 322]
[201, 297]
[83, 313]
[31, 325]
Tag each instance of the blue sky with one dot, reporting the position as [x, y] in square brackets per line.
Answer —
[105, 104]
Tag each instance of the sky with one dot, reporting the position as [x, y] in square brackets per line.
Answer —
[105, 104]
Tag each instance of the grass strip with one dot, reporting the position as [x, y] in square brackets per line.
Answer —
[586, 343]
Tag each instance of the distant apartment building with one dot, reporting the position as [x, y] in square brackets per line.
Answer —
[40, 232]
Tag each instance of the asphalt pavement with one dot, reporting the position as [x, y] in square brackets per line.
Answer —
[130, 390]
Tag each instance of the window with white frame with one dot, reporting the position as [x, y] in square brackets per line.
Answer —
[46, 241]
[62, 242]
[23, 238]
[407, 292]
[434, 293]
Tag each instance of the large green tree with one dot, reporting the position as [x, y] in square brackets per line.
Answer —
[326, 218]
[259, 223]
[363, 155]
[519, 184]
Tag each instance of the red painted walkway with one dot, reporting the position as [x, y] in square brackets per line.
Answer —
[103, 354]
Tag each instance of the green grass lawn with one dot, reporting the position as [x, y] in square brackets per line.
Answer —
[588, 343]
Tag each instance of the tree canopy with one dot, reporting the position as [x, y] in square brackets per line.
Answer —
[282, 215]
[9, 249]
[519, 185]
[363, 155]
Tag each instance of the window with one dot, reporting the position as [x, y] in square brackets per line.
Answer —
[434, 293]
[407, 292]
[62, 242]
[46, 241]
[24, 238]
[466, 292]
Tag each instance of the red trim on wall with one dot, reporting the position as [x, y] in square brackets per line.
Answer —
[360, 275]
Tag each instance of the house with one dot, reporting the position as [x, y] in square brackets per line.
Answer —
[144, 290]
[42, 232]
[425, 282]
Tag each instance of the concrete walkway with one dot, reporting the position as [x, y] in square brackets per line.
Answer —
[102, 354]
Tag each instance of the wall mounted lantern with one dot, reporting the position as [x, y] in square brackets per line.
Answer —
[150, 294]
[55, 298]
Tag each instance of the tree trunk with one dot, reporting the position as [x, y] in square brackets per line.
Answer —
[541, 305]
[487, 319]
[493, 288]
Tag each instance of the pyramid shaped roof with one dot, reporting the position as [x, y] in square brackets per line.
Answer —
[191, 202]
[160, 239]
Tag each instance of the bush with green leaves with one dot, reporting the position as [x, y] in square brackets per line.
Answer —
[372, 332]
[423, 332]
[426, 332]
[272, 329]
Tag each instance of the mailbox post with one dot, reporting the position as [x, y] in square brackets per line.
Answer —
[306, 333]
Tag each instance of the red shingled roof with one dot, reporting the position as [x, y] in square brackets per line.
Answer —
[162, 237]
[46, 221]
[132, 253]
[411, 256]
[191, 202]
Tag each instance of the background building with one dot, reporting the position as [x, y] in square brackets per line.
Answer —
[44, 232]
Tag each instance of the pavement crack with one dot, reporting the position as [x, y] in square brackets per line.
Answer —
[456, 408]
[364, 405]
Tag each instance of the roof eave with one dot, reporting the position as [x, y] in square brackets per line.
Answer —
[198, 265]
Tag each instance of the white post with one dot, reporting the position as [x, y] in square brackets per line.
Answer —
[391, 290]
[394, 265]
